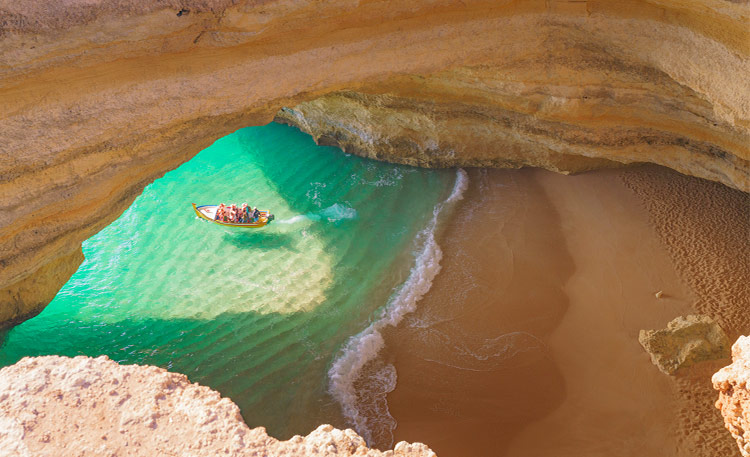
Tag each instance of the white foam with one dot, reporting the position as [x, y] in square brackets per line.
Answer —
[380, 383]
[364, 347]
[338, 212]
[334, 213]
[314, 193]
[293, 220]
[465, 352]
[462, 182]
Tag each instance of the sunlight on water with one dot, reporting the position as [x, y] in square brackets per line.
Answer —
[261, 314]
[207, 269]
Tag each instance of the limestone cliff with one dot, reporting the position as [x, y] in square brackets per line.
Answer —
[91, 407]
[101, 98]
[480, 116]
[734, 397]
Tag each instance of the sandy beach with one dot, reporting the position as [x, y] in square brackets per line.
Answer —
[527, 343]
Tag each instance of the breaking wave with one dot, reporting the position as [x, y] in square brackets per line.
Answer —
[364, 347]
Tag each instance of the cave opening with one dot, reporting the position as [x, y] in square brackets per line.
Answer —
[257, 314]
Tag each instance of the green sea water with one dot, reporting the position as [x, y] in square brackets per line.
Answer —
[263, 316]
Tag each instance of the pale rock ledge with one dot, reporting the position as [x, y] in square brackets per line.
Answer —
[52, 406]
[734, 398]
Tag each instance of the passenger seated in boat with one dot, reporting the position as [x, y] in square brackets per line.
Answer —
[243, 214]
[256, 214]
[219, 216]
[233, 213]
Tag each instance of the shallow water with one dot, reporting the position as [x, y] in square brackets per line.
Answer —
[261, 315]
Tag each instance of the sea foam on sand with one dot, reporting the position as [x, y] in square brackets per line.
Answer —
[364, 347]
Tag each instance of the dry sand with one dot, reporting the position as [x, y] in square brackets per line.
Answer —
[706, 229]
[526, 345]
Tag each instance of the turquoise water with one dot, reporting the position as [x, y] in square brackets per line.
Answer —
[260, 315]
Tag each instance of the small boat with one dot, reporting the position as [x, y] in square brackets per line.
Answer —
[208, 212]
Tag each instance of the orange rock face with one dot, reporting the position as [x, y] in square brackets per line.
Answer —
[101, 98]
[734, 396]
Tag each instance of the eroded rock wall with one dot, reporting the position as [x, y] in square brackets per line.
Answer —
[611, 114]
[100, 98]
[92, 407]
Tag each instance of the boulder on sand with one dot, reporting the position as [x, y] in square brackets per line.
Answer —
[686, 341]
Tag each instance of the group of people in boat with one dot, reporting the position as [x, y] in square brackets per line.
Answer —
[237, 215]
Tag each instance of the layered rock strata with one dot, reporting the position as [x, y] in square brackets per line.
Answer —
[91, 407]
[484, 117]
[734, 397]
[687, 340]
[101, 98]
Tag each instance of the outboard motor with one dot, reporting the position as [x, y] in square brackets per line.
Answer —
[270, 218]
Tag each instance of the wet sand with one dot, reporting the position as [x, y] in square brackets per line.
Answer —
[526, 345]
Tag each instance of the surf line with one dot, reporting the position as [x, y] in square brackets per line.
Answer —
[365, 346]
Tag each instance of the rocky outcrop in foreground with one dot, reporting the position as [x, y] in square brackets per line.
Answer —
[734, 396]
[95, 407]
[686, 341]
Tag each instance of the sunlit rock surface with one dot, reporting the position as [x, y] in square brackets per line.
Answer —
[101, 98]
[687, 340]
[93, 407]
[561, 120]
[734, 397]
